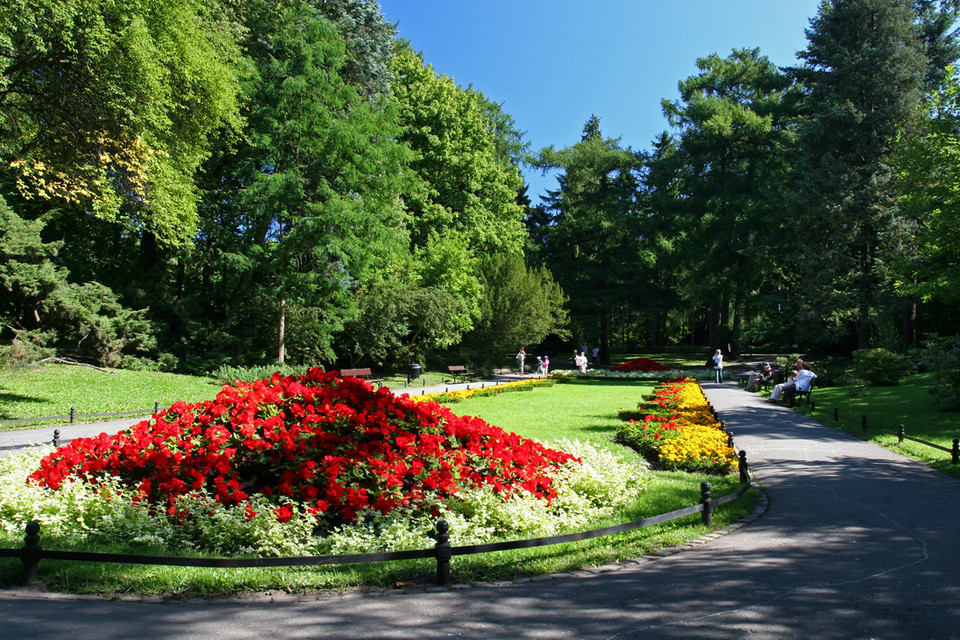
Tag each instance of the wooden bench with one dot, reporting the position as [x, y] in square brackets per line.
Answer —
[459, 371]
[361, 373]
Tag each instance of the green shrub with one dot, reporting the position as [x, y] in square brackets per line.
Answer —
[857, 387]
[830, 371]
[942, 356]
[228, 375]
[879, 367]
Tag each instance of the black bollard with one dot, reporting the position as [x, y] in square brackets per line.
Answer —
[73, 415]
[744, 468]
[443, 554]
[30, 554]
[707, 501]
[863, 423]
[955, 454]
[56, 438]
[836, 415]
[901, 432]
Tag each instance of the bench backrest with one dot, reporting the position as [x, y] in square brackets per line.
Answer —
[355, 373]
[457, 367]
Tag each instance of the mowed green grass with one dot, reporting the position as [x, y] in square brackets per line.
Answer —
[51, 390]
[578, 409]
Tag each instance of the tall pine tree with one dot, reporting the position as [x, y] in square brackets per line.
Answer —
[863, 76]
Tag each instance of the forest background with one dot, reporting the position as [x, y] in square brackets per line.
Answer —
[189, 184]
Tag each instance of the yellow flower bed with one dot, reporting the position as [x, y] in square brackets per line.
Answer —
[700, 444]
[463, 394]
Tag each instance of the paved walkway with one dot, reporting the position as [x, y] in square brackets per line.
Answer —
[857, 543]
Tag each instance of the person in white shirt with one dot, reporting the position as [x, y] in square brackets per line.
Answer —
[718, 365]
[803, 376]
[802, 382]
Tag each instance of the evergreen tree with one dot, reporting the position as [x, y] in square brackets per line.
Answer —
[590, 240]
[734, 122]
[863, 76]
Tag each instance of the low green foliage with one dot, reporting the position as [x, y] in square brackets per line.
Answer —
[879, 367]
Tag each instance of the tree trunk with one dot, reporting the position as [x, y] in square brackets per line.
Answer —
[606, 321]
[282, 332]
[909, 325]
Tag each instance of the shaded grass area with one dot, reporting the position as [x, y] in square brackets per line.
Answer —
[51, 390]
[574, 409]
[910, 403]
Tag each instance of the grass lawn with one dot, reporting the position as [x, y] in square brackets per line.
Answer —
[576, 409]
[909, 403]
[52, 389]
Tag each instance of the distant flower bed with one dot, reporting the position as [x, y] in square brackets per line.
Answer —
[679, 431]
[640, 364]
[483, 391]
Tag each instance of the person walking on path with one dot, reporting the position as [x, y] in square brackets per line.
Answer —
[718, 365]
[521, 357]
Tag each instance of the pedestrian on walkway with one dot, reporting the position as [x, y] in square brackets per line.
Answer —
[521, 357]
[718, 365]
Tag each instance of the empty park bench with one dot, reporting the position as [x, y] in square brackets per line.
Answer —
[458, 370]
[361, 373]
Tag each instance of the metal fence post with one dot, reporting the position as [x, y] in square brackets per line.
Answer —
[744, 468]
[707, 503]
[955, 454]
[863, 423]
[443, 554]
[901, 432]
[73, 414]
[56, 438]
[836, 415]
[30, 554]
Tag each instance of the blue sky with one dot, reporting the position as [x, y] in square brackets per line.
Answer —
[553, 63]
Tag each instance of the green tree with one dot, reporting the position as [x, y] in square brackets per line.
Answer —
[465, 151]
[589, 240]
[304, 208]
[734, 123]
[110, 105]
[863, 76]
[929, 170]
[521, 306]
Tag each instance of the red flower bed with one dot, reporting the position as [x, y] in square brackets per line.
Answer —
[333, 444]
[640, 364]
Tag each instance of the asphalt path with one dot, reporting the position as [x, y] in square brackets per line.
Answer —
[856, 542]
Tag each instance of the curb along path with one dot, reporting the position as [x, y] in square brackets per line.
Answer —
[857, 543]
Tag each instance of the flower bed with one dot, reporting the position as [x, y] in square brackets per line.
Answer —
[688, 437]
[640, 364]
[481, 391]
[329, 445]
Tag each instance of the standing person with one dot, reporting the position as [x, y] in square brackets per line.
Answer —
[546, 365]
[539, 365]
[521, 357]
[582, 362]
[596, 356]
[718, 365]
